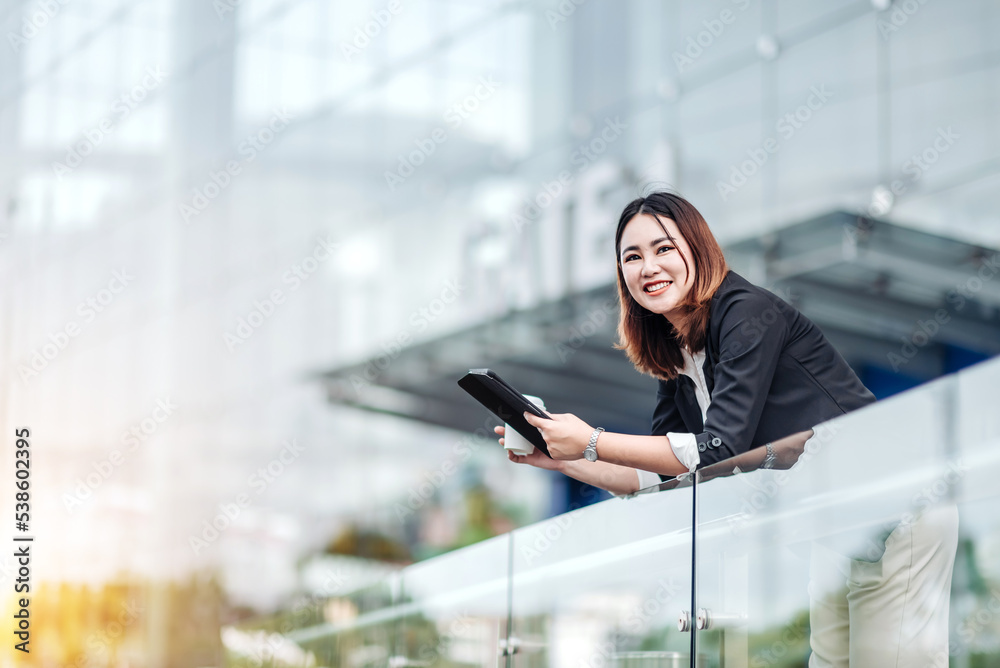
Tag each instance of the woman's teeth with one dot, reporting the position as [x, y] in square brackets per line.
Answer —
[657, 286]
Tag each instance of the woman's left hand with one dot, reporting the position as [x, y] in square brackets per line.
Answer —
[565, 434]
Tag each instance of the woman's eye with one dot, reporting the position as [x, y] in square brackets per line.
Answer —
[629, 257]
[663, 247]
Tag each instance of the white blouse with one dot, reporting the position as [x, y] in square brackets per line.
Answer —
[684, 444]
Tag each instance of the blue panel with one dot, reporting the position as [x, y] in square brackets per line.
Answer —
[957, 358]
[885, 383]
[569, 494]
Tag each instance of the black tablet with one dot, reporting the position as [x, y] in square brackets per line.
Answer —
[505, 402]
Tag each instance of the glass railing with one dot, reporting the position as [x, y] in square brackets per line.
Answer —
[874, 540]
[845, 552]
[595, 584]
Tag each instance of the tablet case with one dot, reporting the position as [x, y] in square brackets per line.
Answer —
[505, 402]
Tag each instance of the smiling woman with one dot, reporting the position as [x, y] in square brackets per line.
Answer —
[739, 368]
[728, 383]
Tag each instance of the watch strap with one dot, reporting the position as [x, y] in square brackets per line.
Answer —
[769, 458]
[592, 446]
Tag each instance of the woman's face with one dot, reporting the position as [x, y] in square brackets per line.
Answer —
[652, 266]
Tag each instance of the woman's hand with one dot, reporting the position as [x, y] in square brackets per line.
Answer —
[537, 458]
[566, 437]
[565, 434]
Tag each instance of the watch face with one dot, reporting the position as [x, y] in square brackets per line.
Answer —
[590, 454]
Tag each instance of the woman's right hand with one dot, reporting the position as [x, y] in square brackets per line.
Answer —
[537, 458]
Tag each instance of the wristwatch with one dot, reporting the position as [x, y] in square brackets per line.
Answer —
[590, 454]
[769, 458]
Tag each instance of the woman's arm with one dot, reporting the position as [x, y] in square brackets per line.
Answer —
[611, 477]
[649, 453]
[619, 455]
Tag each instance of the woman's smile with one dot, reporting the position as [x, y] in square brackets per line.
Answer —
[659, 287]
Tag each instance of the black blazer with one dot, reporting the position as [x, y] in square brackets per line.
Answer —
[770, 373]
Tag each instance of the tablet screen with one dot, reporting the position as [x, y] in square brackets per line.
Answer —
[489, 389]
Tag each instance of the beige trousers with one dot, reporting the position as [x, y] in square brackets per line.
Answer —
[890, 613]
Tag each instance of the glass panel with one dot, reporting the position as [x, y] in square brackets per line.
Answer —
[453, 608]
[354, 629]
[975, 600]
[843, 553]
[604, 585]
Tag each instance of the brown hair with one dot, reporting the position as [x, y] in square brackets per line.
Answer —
[651, 342]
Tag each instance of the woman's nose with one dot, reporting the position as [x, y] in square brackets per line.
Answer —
[649, 267]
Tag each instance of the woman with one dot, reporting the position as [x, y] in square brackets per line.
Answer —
[738, 366]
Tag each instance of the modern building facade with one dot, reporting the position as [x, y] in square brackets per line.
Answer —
[208, 208]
